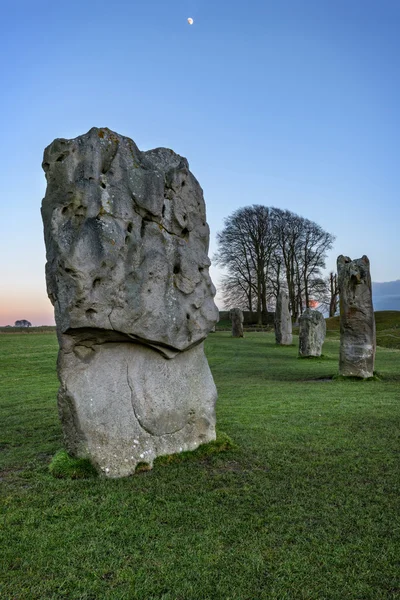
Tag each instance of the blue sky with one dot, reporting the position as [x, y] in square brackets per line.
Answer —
[292, 104]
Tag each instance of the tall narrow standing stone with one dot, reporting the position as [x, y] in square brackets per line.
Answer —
[237, 322]
[312, 331]
[127, 271]
[283, 320]
[357, 321]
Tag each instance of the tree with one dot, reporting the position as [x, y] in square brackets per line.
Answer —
[334, 294]
[264, 250]
[246, 246]
[303, 246]
[23, 323]
[327, 294]
[237, 292]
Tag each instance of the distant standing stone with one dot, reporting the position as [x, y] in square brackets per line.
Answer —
[237, 322]
[311, 333]
[283, 320]
[357, 321]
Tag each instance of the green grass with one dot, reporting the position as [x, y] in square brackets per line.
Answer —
[65, 466]
[305, 506]
[387, 328]
[28, 330]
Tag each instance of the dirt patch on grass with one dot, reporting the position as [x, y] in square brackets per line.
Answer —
[8, 472]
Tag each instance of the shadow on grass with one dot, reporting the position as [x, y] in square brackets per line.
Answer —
[222, 443]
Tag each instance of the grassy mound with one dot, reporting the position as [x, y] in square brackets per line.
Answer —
[64, 466]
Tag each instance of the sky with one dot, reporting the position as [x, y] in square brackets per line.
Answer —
[293, 104]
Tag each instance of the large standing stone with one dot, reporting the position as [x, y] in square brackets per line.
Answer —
[357, 321]
[236, 316]
[312, 331]
[283, 320]
[127, 271]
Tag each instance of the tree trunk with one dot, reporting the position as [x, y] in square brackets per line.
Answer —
[334, 292]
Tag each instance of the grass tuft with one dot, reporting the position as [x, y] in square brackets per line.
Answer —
[142, 467]
[64, 466]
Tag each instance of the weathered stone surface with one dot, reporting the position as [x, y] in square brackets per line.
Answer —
[312, 331]
[123, 403]
[283, 320]
[127, 241]
[127, 271]
[236, 316]
[357, 320]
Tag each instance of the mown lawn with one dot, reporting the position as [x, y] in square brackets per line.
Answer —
[387, 328]
[306, 508]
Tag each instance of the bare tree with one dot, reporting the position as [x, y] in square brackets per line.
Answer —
[246, 247]
[265, 250]
[302, 250]
[327, 294]
[237, 291]
[310, 257]
[334, 293]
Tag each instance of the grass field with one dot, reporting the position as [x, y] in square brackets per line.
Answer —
[387, 328]
[307, 507]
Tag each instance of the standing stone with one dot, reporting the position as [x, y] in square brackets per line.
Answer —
[236, 316]
[312, 333]
[283, 320]
[127, 272]
[357, 321]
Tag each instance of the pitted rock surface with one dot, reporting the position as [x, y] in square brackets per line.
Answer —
[127, 272]
[312, 331]
[283, 320]
[357, 319]
[237, 318]
[127, 241]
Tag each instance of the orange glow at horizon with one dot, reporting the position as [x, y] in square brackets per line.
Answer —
[34, 306]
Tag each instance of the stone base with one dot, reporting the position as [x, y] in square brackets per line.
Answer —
[237, 333]
[284, 339]
[122, 403]
[356, 359]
